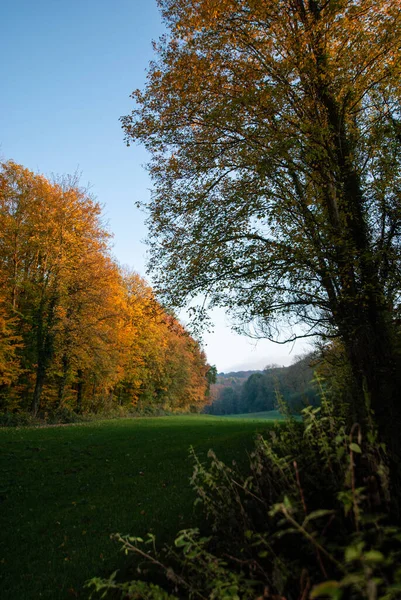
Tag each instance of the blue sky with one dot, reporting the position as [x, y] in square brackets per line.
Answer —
[67, 70]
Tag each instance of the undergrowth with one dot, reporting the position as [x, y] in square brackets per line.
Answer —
[64, 415]
[310, 519]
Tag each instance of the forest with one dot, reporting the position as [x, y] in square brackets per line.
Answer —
[79, 333]
[260, 391]
[273, 135]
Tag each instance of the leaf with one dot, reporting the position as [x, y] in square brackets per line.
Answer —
[355, 448]
[180, 542]
[317, 514]
[351, 579]
[373, 556]
[287, 503]
[353, 552]
[327, 588]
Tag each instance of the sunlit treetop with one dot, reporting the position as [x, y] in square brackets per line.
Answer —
[255, 114]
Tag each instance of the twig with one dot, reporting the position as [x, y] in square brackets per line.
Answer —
[311, 539]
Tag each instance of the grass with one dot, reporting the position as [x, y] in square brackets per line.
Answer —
[271, 415]
[64, 490]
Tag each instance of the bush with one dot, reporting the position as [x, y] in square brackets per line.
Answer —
[311, 519]
[17, 419]
[65, 415]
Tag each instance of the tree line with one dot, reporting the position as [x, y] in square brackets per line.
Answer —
[258, 392]
[77, 330]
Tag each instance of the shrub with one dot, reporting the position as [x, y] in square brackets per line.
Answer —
[311, 518]
[17, 419]
[63, 414]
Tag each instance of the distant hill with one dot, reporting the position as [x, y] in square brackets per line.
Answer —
[233, 379]
[238, 374]
[256, 391]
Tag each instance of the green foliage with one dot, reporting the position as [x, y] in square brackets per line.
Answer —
[311, 518]
[12, 419]
[136, 590]
[257, 393]
[65, 415]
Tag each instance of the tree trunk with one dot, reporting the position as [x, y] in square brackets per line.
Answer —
[376, 366]
[44, 347]
[40, 380]
[63, 380]
[362, 314]
[80, 390]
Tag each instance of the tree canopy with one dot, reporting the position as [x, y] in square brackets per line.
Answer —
[275, 130]
[77, 331]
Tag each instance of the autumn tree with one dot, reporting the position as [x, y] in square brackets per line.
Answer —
[77, 332]
[56, 272]
[185, 369]
[275, 131]
[9, 340]
[27, 220]
[165, 367]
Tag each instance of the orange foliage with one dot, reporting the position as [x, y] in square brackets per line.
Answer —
[90, 336]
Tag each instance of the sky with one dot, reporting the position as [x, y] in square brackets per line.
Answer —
[68, 68]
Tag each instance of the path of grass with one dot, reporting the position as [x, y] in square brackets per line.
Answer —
[63, 490]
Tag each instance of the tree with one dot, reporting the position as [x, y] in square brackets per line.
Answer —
[57, 275]
[275, 134]
[28, 250]
[255, 395]
[9, 363]
[78, 332]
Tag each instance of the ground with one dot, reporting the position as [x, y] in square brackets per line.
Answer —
[64, 490]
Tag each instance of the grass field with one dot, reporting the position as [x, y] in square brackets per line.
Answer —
[64, 490]
[271, 415]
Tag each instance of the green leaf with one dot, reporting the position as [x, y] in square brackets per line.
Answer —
[373, 556]
[355, 448]
[317, 514]
[354, 552]
[351, 579]
[287, 503]
[327, 588]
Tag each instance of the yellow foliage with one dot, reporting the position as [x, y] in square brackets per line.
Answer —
[89, 335]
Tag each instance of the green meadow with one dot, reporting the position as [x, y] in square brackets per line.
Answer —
[65, 489]
[271, 415]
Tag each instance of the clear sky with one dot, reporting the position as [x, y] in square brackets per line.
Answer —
[67, 70]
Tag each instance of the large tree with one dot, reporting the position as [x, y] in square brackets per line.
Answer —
[53, 254]
[275, 133]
